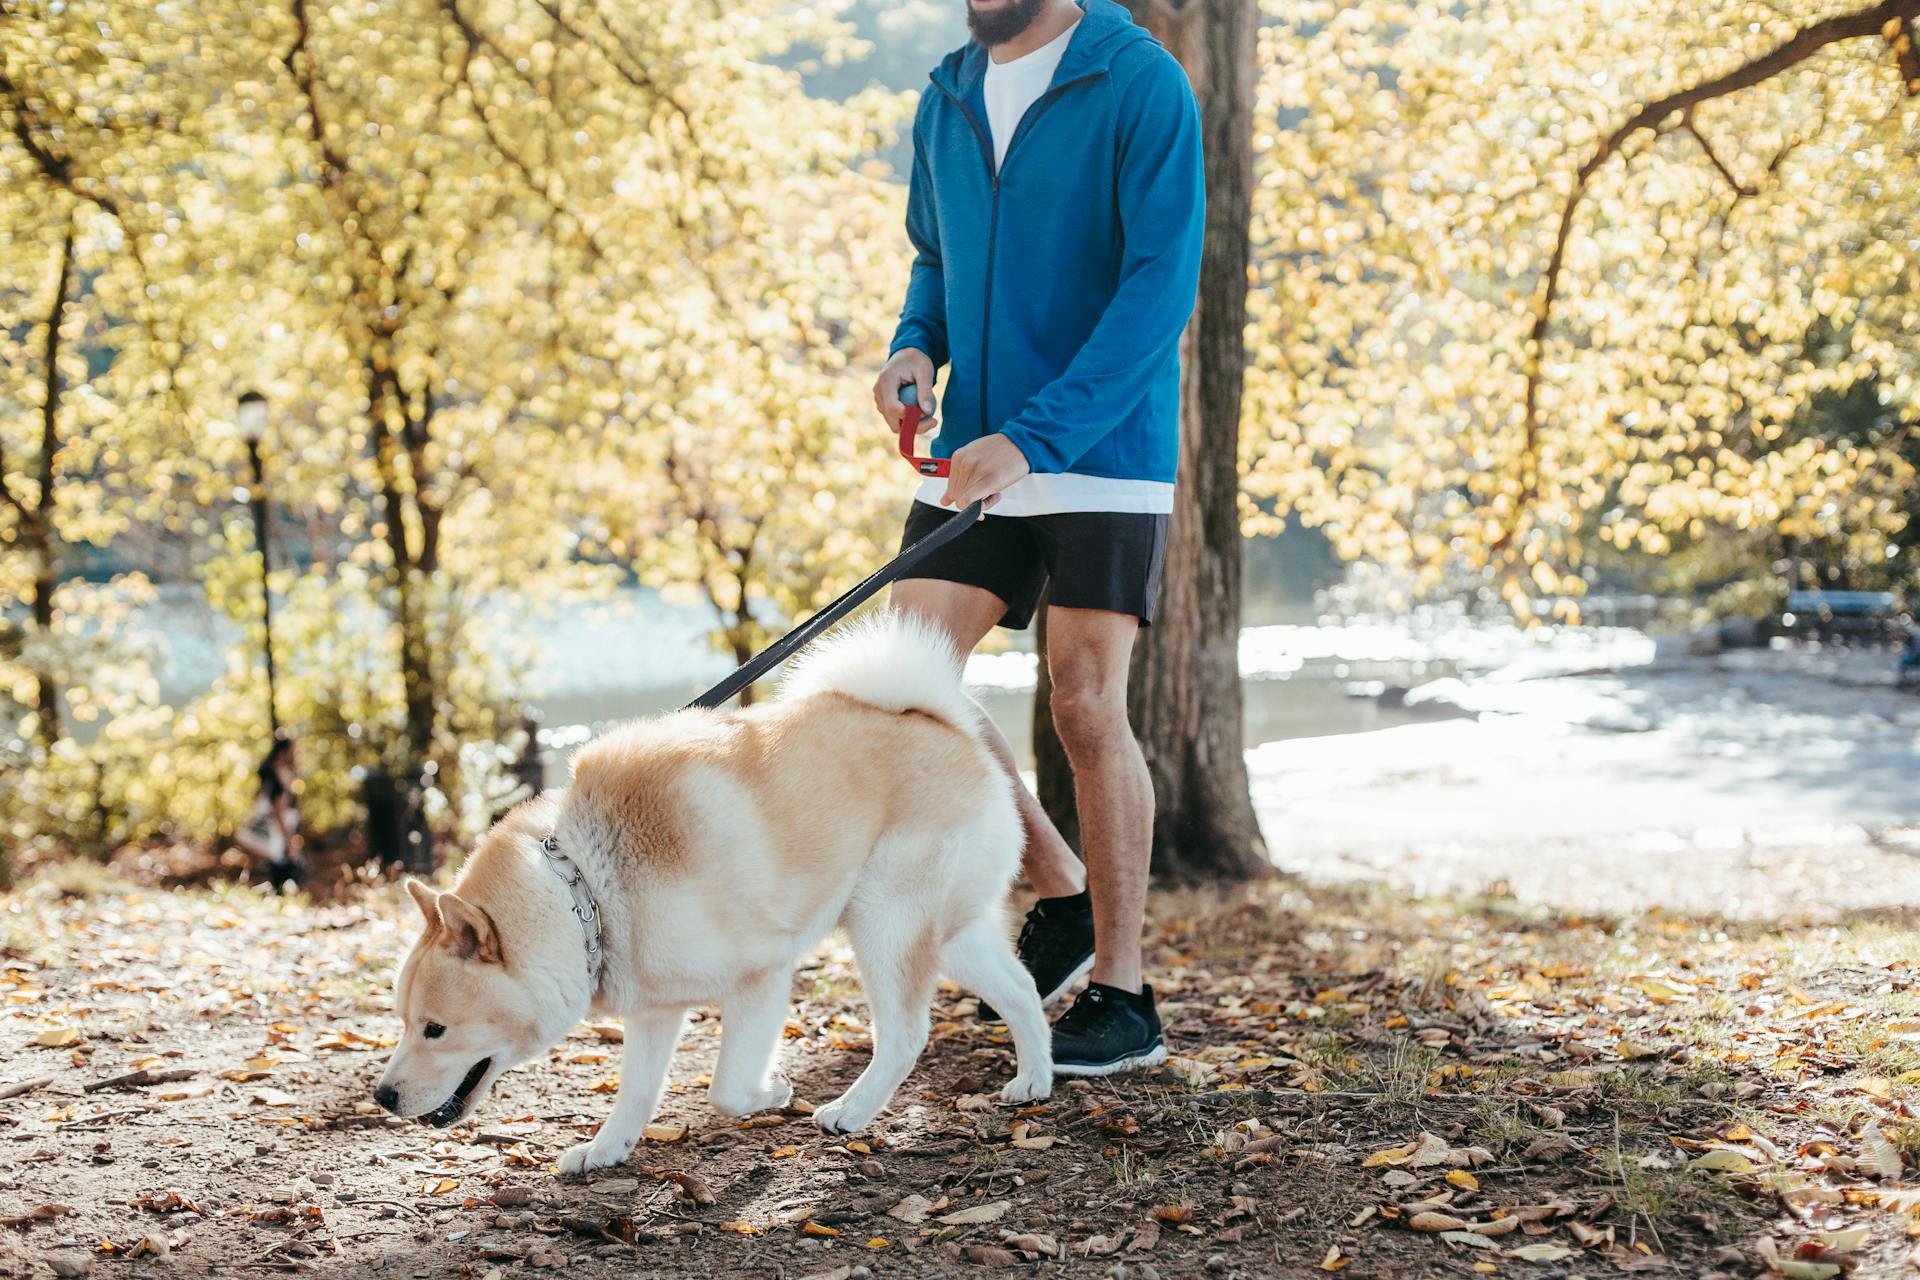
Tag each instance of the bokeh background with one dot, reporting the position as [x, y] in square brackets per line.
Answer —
[566, 315]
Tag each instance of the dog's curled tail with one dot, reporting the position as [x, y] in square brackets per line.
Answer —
[891, 660]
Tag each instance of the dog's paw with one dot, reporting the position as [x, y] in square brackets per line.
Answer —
[844, 1115]
[589, 1156]
[777, 1093]
[1027, 1088]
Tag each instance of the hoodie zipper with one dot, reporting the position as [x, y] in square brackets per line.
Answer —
[993, 224]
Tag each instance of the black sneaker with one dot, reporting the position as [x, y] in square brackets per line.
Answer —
[1108, 1031]
[1056, 946]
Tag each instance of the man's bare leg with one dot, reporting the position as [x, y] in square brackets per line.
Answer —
[1088, 652]
[966, 613]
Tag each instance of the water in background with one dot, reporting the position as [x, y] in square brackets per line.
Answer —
[1306, 676]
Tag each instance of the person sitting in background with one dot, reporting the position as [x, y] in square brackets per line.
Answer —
[271, 833]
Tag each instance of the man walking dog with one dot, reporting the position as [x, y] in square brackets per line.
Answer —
[1056, 209]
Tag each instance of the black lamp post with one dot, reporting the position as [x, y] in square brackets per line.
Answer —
[251, 414]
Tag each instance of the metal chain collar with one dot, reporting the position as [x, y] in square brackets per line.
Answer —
[585, 909]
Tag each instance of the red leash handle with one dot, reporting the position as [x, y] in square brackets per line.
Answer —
[910, 428]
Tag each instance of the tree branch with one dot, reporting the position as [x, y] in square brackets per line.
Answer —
[1740, 189]
[50, 408]
[1900, 37]
[1887, 16]
[477, 39]
[59, 169]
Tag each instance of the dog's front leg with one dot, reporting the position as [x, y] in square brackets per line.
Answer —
[650, 1039]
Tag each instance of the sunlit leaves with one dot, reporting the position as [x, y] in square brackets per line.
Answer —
[1416, 159]
[494, 262]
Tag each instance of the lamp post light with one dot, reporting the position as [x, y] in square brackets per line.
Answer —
[251, 415]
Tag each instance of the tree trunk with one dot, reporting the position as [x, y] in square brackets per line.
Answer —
[386, 404]
[39, 529]
[1185, 696]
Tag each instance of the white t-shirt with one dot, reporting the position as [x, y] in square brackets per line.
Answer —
[1011, 88]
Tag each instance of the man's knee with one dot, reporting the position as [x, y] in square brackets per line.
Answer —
[1090, 718]
[965, 613]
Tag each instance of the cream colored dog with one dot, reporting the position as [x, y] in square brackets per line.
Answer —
[713, 850]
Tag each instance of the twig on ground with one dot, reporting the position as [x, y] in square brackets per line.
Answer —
[137, 1079]
[25, 1086]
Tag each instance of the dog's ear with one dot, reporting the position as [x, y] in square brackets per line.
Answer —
[469, 930]
[427, 899]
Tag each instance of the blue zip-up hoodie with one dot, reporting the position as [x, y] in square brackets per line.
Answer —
[1058, 287]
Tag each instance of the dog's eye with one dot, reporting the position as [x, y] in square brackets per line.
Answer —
[433, 1031]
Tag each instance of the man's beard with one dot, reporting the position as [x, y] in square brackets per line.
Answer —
[997, 26]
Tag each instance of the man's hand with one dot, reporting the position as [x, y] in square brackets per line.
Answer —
[984, 469]
[909, 366]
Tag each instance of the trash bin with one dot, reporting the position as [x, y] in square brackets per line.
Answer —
[397, 821]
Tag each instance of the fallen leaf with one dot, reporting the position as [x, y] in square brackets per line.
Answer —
[1471, 1239]
[1793, 1268]
[58, 1038]
[990, 1255]
[1843, 1241]
[1032, 1242]
[913, 1210]
[695, 1188]
[664, 1132]
[992, 1211]
[1542, 1252]
[1723, 1160]
[1462, 1179]
[1392, 1155]
[1878, 1156]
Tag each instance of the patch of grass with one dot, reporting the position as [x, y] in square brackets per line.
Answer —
[80, 879]
[1129, 1168]
[1867, 1044]
[830, 986]
[1405, 1076]
[1906, 1137]
[1500, 1121]
[1650, 1197]
[1222, 953]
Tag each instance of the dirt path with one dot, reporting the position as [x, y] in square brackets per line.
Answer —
[1366, 1086]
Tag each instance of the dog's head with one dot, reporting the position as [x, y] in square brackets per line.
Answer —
[468, 1015]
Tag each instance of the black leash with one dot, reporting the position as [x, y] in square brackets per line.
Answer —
[798, 638]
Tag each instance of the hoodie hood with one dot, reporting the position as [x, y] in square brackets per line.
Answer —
[1102, 32]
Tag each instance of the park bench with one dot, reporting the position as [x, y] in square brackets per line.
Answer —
[1870, 616]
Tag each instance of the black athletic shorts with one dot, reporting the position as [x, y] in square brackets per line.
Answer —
[1096, 559]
